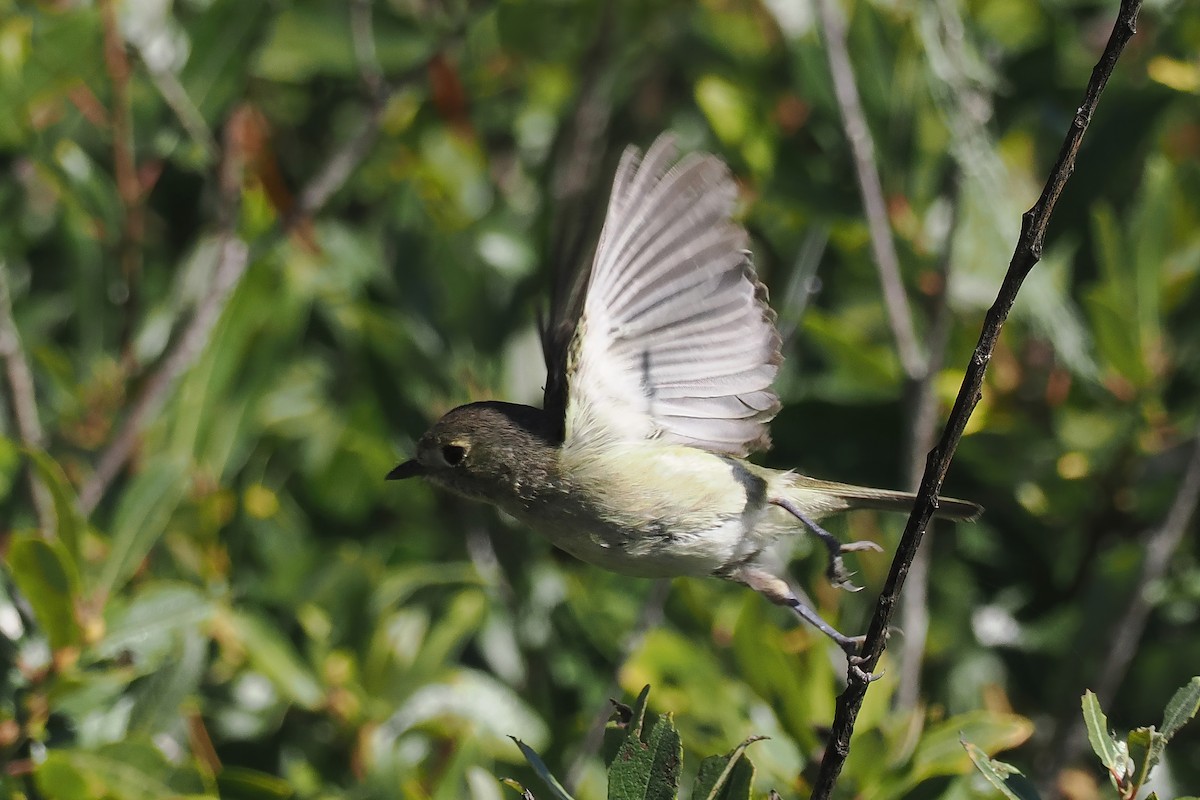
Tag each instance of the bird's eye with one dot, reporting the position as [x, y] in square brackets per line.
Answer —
[453, 454]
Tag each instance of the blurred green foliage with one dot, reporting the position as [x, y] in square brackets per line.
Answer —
[251, 610]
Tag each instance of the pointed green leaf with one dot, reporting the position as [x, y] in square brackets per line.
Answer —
[45, 575]
[727, 777]
[940, 751]
[1104, 745]
[1145, 751]
[1182, 706]
[552, 783]
[1000, 774]
[140, 520]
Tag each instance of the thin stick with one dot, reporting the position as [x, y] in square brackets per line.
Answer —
[914, 606]
[24, 401]
[887, 263]
[1027, 253]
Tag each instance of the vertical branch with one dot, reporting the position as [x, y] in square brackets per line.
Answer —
[914, 607]
[24, 401]
[129, 190]
[1027, 253]
[887, 263]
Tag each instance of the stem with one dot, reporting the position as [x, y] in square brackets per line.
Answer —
[1026, 254]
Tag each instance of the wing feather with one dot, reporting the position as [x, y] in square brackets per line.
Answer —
[676, 340]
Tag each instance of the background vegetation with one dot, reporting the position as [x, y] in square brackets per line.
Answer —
[249, 250]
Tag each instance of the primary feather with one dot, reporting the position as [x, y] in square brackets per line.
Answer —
[676, 340]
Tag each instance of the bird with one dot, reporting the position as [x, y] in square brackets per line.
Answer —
[660, 364]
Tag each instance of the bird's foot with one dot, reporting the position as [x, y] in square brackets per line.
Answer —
[837, 573]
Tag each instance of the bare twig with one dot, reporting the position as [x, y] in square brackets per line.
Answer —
[1026, 255]
[854, 121]
[129, 188]
[337, 169]
[24, 401]
[914, 606]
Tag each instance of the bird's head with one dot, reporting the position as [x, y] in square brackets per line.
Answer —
[484, 451]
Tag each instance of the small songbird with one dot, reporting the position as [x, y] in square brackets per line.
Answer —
[659, 371]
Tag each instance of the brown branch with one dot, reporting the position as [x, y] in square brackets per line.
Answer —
[914, 606]
[854, 120]
[24, 401]
[1027, 253]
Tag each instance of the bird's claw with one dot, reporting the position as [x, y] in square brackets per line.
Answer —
[837, 573]
[840, 577]
[862, 674]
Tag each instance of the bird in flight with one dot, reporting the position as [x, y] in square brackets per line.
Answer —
[660, 365]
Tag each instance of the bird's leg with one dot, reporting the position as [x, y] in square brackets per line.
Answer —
[836, 571]
[778, 592]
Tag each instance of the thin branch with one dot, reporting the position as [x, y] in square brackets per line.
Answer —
[1026, 255]
[24, 401]
[854, 121]
[914, 607]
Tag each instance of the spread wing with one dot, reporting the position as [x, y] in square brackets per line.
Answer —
[676, 340]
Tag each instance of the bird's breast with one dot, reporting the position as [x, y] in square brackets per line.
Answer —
[652, 510]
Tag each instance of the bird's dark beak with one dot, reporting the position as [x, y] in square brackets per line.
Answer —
[409, 469]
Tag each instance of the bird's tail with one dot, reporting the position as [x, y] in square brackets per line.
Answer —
[827, 497]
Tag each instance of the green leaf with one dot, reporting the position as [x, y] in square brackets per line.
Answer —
[275, 657]
[128, 770]
[556, 789]
[1145, 751]
[249, 784]
[1104, 744]
[44, 574]
[141, 518]
[1182, 706]
[647, 770]
[727, 777]
[940, 750]
[70, 523]
[999, 774]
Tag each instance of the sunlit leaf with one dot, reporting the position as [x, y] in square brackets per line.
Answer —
[45, 576]
[1104, 744]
